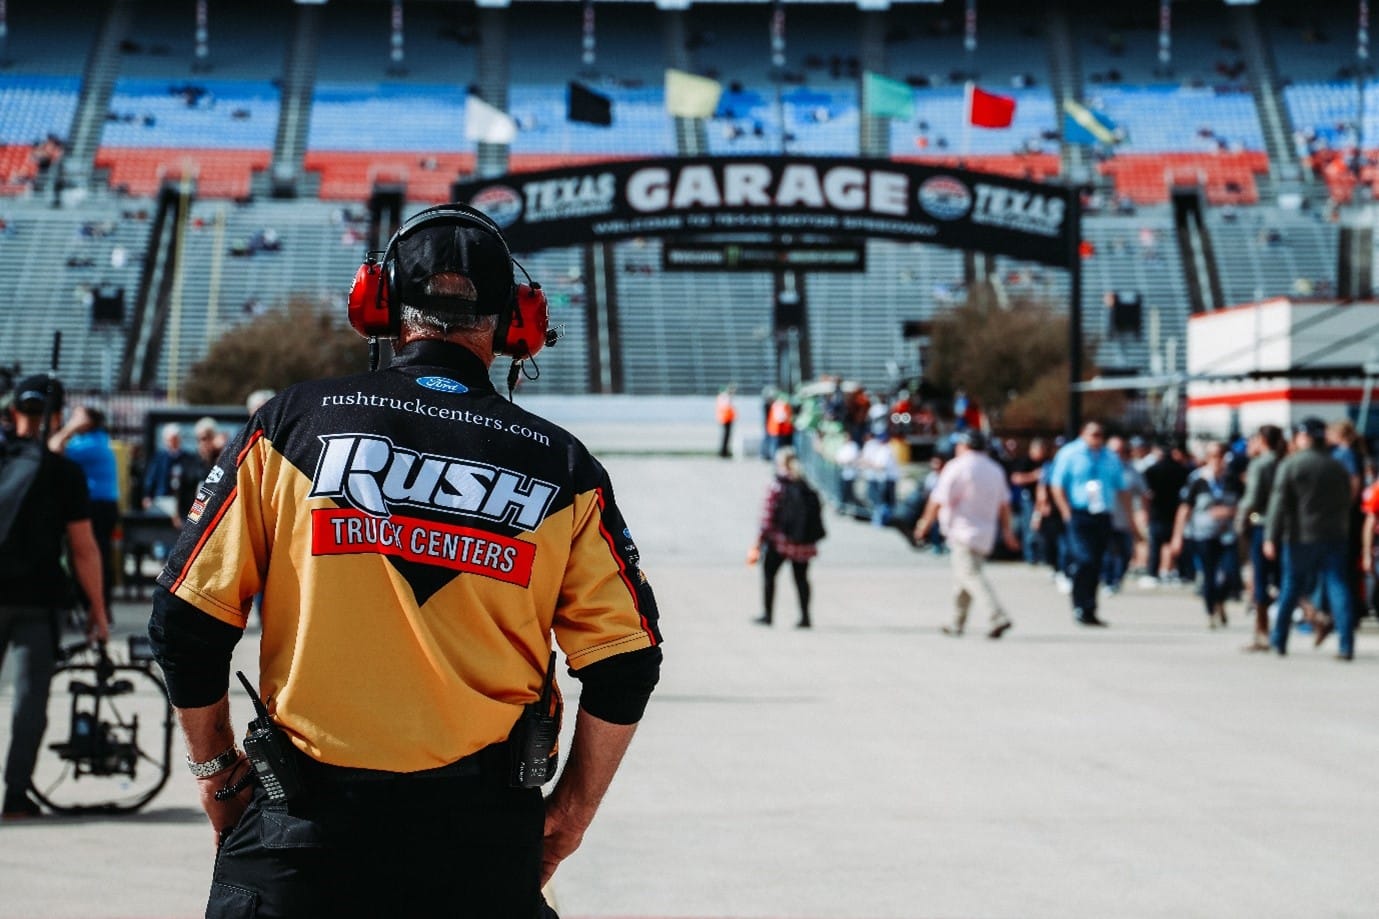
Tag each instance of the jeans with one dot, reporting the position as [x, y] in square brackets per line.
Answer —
[881, 497]
[1263, 572]
[1088, 537]
[1209, 560]
[1118, 552]
[1031, 539]
[1323, 564]
[33, 633]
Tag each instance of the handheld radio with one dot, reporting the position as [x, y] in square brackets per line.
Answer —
[533, 738]
[270, 752]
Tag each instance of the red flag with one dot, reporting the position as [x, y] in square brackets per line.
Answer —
[988, 110]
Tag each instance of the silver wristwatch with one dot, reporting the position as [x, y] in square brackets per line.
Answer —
[215, 765]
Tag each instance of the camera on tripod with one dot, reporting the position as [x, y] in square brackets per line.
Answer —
[95, 745]
[116, 748]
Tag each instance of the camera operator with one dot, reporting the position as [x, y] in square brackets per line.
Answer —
[417, 539]
[43, 500]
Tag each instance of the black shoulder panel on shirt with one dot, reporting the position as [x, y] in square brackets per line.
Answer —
[616, 689]
[192, 648]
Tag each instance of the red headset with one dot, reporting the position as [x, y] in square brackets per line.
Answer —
[374, 312]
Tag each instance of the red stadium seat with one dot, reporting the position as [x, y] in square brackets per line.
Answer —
[350, 175]
[1227, 178]
[217, 173]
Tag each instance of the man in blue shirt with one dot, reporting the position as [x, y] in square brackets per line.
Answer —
[85, 441]
[1086, 482]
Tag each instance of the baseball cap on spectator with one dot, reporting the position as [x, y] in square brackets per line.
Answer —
[453, 248]
[971, 437]
[33, 391]
[1313, 427]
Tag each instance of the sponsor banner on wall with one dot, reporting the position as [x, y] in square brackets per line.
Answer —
[842, 197]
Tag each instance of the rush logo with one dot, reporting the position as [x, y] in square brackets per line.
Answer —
[342, 531]
[375, 476]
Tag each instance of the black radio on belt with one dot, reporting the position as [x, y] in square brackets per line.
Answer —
[270, 752]
[533, 738]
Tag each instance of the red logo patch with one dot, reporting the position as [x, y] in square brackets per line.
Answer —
[346, 531]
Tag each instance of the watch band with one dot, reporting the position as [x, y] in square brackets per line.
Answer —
[214, 765]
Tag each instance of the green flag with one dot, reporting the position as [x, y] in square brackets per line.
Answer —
[883, 97]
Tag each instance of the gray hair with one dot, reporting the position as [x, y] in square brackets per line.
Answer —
[445, 319]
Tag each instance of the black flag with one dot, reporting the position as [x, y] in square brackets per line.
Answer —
[589, 106]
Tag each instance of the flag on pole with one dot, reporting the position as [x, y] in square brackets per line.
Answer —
[988, 110]
[883, 97]
[691, 96]
[1084, 125]
[487, 124]
[588, 106]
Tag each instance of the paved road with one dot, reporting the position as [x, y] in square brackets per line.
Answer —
[873, 768]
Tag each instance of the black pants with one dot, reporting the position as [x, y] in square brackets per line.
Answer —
[770, 565]
[461, 846]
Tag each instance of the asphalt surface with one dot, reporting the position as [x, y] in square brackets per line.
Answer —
[873, 768]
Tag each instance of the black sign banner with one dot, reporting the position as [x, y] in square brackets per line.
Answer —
[844, 197]
[696, 255]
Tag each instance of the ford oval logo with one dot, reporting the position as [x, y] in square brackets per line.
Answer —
[501, 203]
[945, 197]
[442, 384]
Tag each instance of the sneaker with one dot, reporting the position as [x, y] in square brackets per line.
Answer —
[1147, 582]
[951, 630]
[999, 629]
[1063, 583]
[1090, 619]
[762, 620]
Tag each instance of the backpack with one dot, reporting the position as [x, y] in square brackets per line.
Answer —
[19, 465]
[799, 516]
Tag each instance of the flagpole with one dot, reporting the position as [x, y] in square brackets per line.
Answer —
[966, 123]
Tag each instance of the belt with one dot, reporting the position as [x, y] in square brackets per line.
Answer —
[489, 761]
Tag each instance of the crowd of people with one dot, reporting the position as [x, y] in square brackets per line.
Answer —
[1279, 524]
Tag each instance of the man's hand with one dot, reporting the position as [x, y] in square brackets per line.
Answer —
[1270, 550]
[595, 752]
[565, 826]
[225, 814]
[1011, 540]
[753, 555]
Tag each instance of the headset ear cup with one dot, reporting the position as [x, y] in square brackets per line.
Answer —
[523, 331]
[371, 310]
[364, 300]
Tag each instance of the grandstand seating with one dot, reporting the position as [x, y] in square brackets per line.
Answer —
[374, 120]
[1228, 178]
[217, 173]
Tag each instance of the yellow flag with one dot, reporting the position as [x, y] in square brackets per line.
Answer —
[691, 96]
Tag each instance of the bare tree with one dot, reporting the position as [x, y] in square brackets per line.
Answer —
[302, 342]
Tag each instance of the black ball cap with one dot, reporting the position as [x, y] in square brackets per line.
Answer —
[1313, 427]
[33, 391]
[452, 249]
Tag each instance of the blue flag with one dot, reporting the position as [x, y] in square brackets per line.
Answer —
[1083, 125]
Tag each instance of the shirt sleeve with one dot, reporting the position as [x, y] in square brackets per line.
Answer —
[607, 610]
[76, 499]
[768, 511]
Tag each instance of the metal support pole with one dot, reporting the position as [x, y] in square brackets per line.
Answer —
[1074, 313]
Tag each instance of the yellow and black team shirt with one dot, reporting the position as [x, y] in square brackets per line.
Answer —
[417, 540]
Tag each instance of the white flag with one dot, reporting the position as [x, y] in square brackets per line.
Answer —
[486, 124]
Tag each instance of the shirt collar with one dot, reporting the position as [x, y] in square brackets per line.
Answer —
[422, 354]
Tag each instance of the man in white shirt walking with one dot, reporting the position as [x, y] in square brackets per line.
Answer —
[971, 501]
